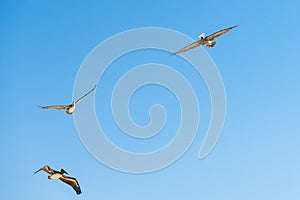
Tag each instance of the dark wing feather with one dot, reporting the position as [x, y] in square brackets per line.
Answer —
[191, 46]
[219, 33]
[72, 182]
[63, 171]
[77, 101]
[55, 107]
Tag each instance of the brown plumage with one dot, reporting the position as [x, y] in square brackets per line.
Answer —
[60, 175]
[69, 108]
[208, 40]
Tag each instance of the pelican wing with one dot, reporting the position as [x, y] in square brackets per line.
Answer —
[59, 107]
[191, 46]
[72, 182]
[219, 33]
[77, 101]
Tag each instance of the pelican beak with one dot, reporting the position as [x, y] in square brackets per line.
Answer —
[38, 171]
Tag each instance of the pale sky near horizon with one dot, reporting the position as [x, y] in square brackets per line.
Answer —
[44, 43]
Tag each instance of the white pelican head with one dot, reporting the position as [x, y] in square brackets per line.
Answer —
[202, 36]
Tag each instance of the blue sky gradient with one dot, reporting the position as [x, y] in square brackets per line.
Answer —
[43, 44]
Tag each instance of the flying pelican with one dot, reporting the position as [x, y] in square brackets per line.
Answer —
[60, 175]
[69, 108]
[208, 40]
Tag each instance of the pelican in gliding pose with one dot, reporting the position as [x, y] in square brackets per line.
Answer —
[61, 176]
[69, 108]
[205, 40]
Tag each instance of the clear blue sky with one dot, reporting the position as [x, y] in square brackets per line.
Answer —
[257, 157]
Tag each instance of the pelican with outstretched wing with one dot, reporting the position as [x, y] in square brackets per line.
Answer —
[69, 108]
[208, 40]
[60, 175]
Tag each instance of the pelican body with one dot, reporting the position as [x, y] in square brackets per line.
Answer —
[53, 174]
[205, 40]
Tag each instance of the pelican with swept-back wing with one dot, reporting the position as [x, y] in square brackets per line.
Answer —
[69, 108]
[61, 176]
[205, 40]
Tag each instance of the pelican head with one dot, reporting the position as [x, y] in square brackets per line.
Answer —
[202, 36]
[45, 168]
